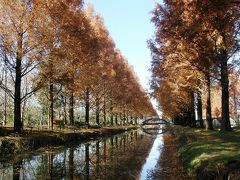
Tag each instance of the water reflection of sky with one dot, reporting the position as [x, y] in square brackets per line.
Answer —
[153, 157]
[107, 158]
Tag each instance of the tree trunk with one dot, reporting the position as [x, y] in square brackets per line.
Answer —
[235, 108]
[120, 117]
[116, 119]
[51, 110]
[64, 109]
[127, 120]
[209, 125]
[17, 86]
[116, 143]
[24, 103]
[124, 119]
[71, 109]
[23, 113]
[41, 118]
[192, 111]
[5, 109]
[104, 112]
[136, 120]
[225, 123]
[97, 111]
[111, 115]
[5, 93]
[199, 109]
[87, 107]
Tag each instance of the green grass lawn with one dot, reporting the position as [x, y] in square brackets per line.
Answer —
[203, 151]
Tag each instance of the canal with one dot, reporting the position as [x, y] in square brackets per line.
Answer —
[131, 155]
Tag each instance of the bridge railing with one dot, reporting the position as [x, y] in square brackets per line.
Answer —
[154, 121]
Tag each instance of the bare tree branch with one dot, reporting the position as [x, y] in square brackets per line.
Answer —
[7, 90]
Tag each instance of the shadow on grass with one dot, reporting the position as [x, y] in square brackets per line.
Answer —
[208, 153]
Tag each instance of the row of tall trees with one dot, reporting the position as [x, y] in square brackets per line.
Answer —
[58, 53]
[196, 45]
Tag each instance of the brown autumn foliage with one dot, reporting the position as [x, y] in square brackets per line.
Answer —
[69, 51]
[192, 47]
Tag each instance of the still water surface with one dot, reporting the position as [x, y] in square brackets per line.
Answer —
[153, 157]
[131, 155]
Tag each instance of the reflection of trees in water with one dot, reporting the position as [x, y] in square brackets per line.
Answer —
[116, 157]
[5, 172]
[125, 157]
[71, 164]
[169, 167]
[97, 157]
[87, 162]
[154, 130]
[16, 170]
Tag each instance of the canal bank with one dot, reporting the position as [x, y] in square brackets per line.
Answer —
[207, 154]
[121, 156]
[132, 154]
[11, 144]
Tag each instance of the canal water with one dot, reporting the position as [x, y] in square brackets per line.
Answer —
[153, 157]
[131, 155]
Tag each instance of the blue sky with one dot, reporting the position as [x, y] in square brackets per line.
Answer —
[128, 22]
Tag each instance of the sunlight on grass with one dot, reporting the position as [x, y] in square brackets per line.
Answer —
[197, 161]
[200, 149]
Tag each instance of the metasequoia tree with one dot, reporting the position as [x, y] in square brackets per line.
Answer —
[83, 57]
[189, 47]
[103, 68]
[24, 35]
[225, 16]
[113, 80]
[174, 65]
[67, 51]
[220, 31]
[72, 53]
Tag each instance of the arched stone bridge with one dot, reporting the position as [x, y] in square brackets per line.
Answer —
[154, 121]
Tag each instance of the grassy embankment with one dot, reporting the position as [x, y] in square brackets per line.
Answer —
[11, 143]
[209, 154]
